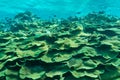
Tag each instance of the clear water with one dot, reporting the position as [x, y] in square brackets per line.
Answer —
[74, 48]
[61, 8]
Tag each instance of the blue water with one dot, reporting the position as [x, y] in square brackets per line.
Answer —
[61, 8]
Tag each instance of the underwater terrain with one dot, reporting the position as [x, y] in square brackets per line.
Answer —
[60, 40]
[76, 48]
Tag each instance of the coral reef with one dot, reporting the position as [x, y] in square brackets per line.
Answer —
[85, 48]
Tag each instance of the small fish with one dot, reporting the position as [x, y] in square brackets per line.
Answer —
[78, 12]
[54, 15]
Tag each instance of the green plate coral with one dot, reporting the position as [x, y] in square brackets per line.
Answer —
[85, 48]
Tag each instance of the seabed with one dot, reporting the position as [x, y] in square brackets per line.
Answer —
[77, 48]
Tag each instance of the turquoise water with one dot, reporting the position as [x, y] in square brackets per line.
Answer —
[73, 40]
[61, 8]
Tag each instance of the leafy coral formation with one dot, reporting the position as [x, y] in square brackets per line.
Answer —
[74, 49]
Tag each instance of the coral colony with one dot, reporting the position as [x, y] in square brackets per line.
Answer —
[77, 48]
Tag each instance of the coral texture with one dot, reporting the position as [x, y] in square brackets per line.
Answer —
[85, 48]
